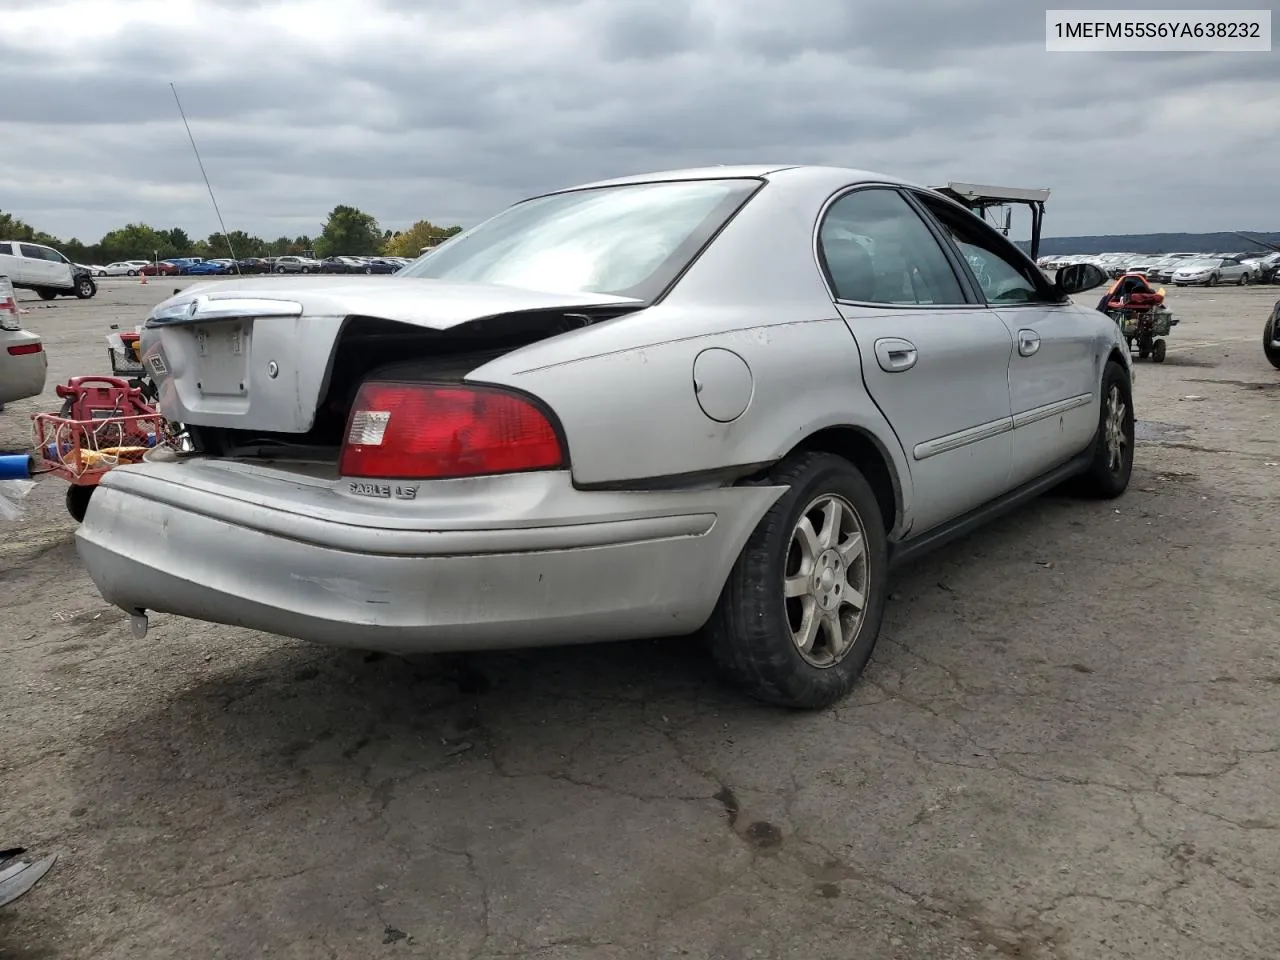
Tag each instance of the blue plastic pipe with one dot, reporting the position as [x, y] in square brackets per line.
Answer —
[15, 467]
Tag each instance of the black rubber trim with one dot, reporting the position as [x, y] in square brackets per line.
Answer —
[904, 552]
[717, 477]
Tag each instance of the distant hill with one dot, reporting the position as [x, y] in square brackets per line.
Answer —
[1154, 243]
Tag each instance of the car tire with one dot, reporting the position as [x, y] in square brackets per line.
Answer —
[85, 288]
[1271, 352]
[305, 270]
[1244, 280]
[752, 634]
[1112, 462]
[279, 269]
[368, 270]
[47, 294]
[132, 273]
[1212, 281]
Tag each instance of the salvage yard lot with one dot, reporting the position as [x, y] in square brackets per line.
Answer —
[1066, 744]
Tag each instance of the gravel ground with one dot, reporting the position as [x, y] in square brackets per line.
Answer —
[1066, 745]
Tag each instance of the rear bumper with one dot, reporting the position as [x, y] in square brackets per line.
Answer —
[611, 566]
[23, 375]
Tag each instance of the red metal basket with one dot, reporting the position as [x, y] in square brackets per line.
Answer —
[81, 451]
[104, 423]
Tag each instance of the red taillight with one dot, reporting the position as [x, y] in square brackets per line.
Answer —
[402, 431]
[23, 349]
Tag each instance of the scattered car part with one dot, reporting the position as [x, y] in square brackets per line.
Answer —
[18, 875]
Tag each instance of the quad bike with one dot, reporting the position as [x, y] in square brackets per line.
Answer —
[1143, 318]
[125, 350]
[1271, 337]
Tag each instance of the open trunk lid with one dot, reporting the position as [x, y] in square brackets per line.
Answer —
[263, 355]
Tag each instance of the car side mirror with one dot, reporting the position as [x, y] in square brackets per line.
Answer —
[1079, 277]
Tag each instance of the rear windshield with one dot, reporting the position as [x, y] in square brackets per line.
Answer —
[631, 240]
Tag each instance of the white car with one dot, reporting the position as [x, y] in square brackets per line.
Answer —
[1210, 271]
[293, 264]
[1265, 268]
[95, 269]
[23, 362]
[125, 268]
[33, 266]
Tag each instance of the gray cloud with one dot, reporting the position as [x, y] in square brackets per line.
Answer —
[450, 113]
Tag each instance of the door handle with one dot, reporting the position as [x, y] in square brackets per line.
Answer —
[1028, 342]
[895, 355]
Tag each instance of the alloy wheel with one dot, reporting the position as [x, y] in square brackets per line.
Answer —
[826, 580]
[1117, 440]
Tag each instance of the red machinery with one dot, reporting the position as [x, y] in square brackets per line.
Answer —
[1140, 313]
[104, 422]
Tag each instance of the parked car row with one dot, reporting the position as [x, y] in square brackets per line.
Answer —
[195, 266]
[336, 264]
[1183, 268]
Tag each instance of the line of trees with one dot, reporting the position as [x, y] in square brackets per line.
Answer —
[348, 231]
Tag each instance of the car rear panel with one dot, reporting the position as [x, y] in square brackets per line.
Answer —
[259, 356]
[478, 563]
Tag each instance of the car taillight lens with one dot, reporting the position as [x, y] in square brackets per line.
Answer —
[9, 314]
[24, 348]
[402, 431]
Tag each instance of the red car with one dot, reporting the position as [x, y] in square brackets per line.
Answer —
[162, 269]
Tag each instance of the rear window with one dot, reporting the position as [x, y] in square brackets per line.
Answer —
[630, 240]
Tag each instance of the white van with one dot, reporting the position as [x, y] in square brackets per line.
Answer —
[33, 266]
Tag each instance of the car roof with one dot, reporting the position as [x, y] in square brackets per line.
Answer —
[837, 175]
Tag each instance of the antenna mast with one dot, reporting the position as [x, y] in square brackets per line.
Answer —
[194, 150]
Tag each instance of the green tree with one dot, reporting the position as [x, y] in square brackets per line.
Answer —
[348, 231]
[78, 252]
[12, 228]
[409, 243]
[177, 244]
[245, 245]
[136, 241]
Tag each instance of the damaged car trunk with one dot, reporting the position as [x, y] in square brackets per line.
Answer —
[278, 381]
[372, 348]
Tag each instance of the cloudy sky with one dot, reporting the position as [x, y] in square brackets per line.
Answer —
[450, 110]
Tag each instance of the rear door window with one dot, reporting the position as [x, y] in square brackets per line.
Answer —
[876, 249]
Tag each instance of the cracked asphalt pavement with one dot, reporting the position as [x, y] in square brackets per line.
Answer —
[1065, 748]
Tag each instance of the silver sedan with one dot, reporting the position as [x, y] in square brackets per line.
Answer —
[725, 401]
